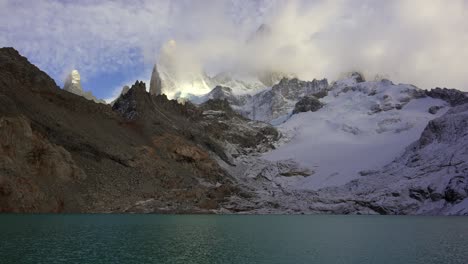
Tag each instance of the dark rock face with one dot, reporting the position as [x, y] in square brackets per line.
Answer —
[452, 96]
[457, 189]
[272, 103]
[280, 99]
[295, 88]
[62, 153]
[418, 194]
[306, 104]
[226, 125]
[225, 93]
[447, 129]
[127, 104]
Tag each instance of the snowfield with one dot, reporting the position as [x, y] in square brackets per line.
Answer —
[345, 138]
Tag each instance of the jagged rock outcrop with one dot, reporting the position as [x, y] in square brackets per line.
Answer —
[452, 96]
[389, 95]
[223, 93]
[125, 89]
[155, 82]
[73, 85]
[273, 103]
[237, 84]
[243, 136]
[306, 104]
[281, 98]
[350, 80]
[226, 93]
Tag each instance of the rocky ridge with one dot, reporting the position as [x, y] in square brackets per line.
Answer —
[271, 104]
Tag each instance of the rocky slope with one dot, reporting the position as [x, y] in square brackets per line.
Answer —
[61, 152]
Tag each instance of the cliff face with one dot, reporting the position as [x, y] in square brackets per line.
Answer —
[35, 174]
[63, 153]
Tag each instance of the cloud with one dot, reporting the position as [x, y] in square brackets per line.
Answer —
[419, 42]
[412, 41]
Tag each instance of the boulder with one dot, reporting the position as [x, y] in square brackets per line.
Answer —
[456, 189]
[434, 109]
[306, 104]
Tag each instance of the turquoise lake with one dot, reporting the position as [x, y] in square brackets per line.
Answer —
[232, 239]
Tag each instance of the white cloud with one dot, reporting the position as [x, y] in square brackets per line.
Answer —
[413, 41]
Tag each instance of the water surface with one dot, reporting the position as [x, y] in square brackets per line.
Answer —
[232, 239]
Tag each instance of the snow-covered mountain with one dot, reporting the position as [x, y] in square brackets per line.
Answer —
[429, 177]
[195, 85]
[374, 141]
[180, 76]
[362, 126]
[272, 105]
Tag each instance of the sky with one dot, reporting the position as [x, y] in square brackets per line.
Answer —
[113, 43]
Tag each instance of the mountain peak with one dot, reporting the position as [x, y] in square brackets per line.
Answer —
[155, 82]
[73, 85]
